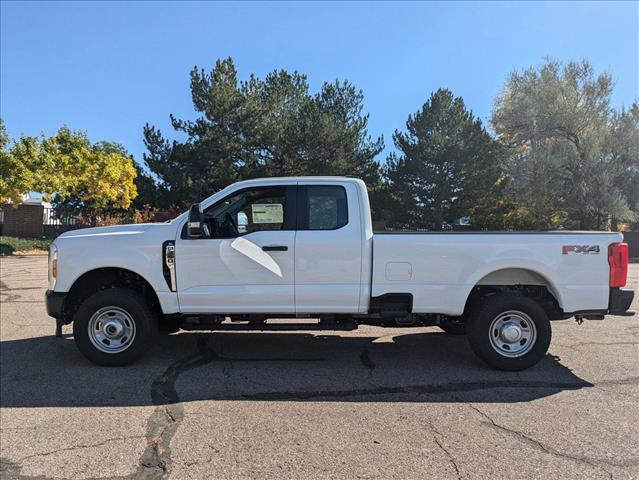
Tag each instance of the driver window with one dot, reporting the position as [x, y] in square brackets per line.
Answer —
[248, 211]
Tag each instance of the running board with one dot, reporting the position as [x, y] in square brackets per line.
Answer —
[236, 326]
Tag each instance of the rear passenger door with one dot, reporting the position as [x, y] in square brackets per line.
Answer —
[328, 249]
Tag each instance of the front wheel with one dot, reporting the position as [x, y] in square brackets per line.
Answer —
[509, 331]
[114, 327]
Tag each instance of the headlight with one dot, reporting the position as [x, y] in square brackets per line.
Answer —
[53, 265]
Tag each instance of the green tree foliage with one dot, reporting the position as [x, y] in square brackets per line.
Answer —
[90, 177]
[25, 167]
[13, 175]
[574, 159]
[622, 147]
[269, 127]
[105, 176]
[562, 156]
[448, 167]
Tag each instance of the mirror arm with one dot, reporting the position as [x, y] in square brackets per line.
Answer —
[194, 226]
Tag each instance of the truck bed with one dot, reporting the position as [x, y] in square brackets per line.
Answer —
[440, 269]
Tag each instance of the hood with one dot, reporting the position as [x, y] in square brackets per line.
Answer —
[116, 230]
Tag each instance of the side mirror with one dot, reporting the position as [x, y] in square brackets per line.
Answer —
[195, 225]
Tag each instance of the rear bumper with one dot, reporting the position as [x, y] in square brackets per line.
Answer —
[620, 301]
[55, 303]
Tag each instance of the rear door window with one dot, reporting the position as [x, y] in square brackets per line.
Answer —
[324, 207]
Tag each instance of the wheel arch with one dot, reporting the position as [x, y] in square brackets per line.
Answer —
[103, 278]
[524, 280]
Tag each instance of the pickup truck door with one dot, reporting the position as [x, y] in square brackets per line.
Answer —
[247, 266]
[328, 248]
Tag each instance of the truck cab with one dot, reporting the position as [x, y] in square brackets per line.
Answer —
[301, 250]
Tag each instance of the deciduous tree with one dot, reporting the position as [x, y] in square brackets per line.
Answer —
[97, 179]
[86, 177]
[567, 168]
[15, 178]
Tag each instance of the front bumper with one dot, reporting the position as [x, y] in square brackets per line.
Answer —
[55, 303]
[620, 301]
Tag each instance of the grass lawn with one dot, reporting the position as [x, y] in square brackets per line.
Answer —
[10, 245]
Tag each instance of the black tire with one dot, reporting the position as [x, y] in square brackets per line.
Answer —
[145, 326]
[494, 307]
[453, 326]
[168, 325]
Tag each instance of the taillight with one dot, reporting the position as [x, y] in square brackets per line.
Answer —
[618, 260]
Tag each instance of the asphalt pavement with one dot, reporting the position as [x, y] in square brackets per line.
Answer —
[374, 403]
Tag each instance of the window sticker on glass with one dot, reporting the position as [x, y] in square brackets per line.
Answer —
[267, 212]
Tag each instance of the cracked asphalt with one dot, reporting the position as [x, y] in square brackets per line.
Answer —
[373, 403]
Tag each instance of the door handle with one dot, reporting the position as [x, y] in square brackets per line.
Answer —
[275, 248]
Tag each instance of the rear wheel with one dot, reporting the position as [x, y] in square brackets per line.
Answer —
[114, 327]
[509, 331]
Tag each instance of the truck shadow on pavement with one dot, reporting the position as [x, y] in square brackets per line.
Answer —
[395, 367]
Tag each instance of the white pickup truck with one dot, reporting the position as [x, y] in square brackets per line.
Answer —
[304, 248]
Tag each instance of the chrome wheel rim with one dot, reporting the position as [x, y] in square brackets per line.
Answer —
[512, 333]
[111, 329]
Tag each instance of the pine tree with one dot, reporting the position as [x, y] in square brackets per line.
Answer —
[269, 127]
[447, 167]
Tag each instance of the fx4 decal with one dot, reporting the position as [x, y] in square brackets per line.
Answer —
[585, 249]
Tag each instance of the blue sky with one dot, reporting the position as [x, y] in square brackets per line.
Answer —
[110, 67]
